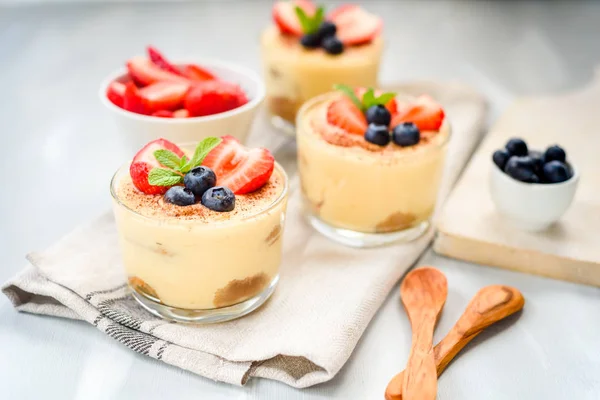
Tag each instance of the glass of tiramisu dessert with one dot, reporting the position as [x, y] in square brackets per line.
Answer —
[200, 227]
[307, 50]
[370, 164]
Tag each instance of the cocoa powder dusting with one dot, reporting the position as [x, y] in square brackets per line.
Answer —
[239, 290]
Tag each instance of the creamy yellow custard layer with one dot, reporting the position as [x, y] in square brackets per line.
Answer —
[294, 74]
[194, 258]
[366, 188]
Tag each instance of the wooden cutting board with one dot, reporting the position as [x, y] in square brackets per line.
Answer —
[469, 228]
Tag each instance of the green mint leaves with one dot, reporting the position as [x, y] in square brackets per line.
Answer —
[178, 167]
[368, 99]
[310, 24]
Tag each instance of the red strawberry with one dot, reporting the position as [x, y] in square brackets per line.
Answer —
[116, 93]
[132, 101]
[354, 24]
[164, 95]
[163, 114]
[144, 161]
[424, 112]
[182, 113]
[284, 14]
[144, 72]
[213, 97]
[196, 73]
[392, 106]
[159, 60]
[344, 114]
[240, 169]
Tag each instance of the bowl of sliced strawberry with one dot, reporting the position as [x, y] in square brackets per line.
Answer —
[184, 101]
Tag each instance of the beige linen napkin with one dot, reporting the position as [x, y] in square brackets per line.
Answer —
[327, 294]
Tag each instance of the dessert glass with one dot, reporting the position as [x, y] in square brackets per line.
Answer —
[294, 75]
[198, 271]
[362, 198]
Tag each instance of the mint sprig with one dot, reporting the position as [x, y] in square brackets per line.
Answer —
[368, 99]
[177, 167]
[310, 24]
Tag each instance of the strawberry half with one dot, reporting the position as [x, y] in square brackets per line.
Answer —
[344, 114]
[213, 97]
[196, 73]
[159, 60]
[391, 105]
[144, 161]
[182, 113]
[424, 112]
[355, 25]
[116, 93]
[145, 72]
[284, 15]
[132, 101]
[163, 114]
[164, 95]
[240, 169]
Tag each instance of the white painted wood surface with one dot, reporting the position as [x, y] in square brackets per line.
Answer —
[59, 147]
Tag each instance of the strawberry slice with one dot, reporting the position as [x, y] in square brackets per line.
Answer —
[132, 101]
[213, 97]
[284, 15]
[116, 93]
[145, 72]
[196, 73]
[344, 114]
[240, 169]
[144, 161]
[392, 105]
[355, 25]
[182, 113]
[424, 112]
[159, 60]
[164, 95]
[163, 114]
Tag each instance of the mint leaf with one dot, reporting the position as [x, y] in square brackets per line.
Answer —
[310, 24]
[202, 150]
[349, 92]
[318, 19]
[385, 98]
[184, 160]
[368, 99]
[305, 22]
[164, 177]
[167, 158]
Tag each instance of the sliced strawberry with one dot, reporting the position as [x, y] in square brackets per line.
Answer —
[182, 113]
[392, 105]
[144, 161]
[144, 72]
[424, 112]
[355, 25]
[132, 101]
[284, 14]
[196, 73]
[163, 114]
[213, 97]
[116, 93]
[164, 95]
[344, 114]
[240, 169]
[159, 60]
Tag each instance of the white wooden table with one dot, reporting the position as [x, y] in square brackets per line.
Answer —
[59, 150]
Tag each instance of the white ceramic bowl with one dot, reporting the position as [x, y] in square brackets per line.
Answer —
[137, 129]
[531, 206]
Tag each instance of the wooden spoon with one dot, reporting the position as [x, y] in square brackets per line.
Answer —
[491, 304]
[423, 293]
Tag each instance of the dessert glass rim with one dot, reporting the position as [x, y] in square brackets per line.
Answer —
[400, 154]
[252, 103]
[266, 209]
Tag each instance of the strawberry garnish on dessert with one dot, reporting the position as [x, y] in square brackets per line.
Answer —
[145, 72]
[197, 73]
[164, 95]
[344, 114]
[145, 161]
[213, 97]
[240, 169]
[425, 113]
[116, 93]
[286, 18]
[355, 26]
[159, 60]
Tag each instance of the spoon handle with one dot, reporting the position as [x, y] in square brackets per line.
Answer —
[490, 305]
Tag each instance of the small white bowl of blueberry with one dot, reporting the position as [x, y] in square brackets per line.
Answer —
[532, 189]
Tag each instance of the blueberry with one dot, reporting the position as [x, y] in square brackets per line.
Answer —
[199, 180]
[311, 40]
[180, 196]
[556, 171]
[326, 29]
[521, 169]
[219, 198]
[379, 115]
[555, 153]
[333, 45]
[517, 147]
[538, 161]
[406, 134]
[377, 134]
[500, 157]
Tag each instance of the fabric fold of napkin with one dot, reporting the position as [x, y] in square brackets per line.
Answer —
[302, 336]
